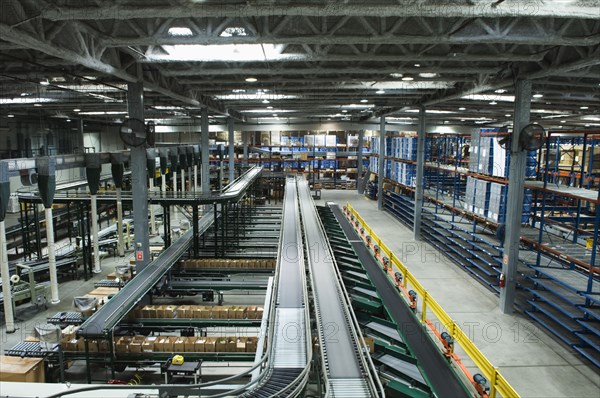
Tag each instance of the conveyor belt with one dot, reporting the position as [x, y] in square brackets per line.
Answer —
[107, 317]
[442, 378]
[339, 342]
[289, 357]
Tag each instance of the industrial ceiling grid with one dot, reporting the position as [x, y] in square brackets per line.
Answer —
[286, 61]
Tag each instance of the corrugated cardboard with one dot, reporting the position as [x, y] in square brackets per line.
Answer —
[199, 345]
[190, 344]
[16, 369]
[221, 345]
[210, 344]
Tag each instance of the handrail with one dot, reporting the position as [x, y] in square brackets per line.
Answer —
[498, 384]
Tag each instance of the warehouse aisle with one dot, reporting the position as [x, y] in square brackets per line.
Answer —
[531, 360]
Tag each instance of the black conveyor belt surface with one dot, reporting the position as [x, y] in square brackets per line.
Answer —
[442, 378]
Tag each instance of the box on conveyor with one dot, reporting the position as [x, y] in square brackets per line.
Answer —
[221, 344]
[210, 344]
[199, 344]
[148, 344]
[251, 343]
[179, 344]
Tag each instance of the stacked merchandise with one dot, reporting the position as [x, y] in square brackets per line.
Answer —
[477, 196]
[489, 158]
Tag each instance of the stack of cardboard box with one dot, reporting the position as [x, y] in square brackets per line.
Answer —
[198, 312]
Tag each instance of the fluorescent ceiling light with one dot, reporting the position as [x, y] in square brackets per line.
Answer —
[493, 103]
[364, 100]
[538, 95]
[269, 107]
[462, 108]
[45, 82]
[500, 91]
[168, 108]
[380, 92]
[221, 52]
[592, 118]
[68, 120]
[25, 100]
[76, 110]
[400, 85]
[396, 75]
[487, 97]
[428, 75]
[265, 101]
[563, 121]
[432, 111]
[10, 115]
[261, 110]
[344, 110]
[584, 107]
[238, 90]
[408, 78]
[359, 106]
[251, 80]
[37, 104]
[104, 113]
[180, 31]
[507, 115]
[417, 65]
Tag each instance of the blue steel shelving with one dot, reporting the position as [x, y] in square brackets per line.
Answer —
[558, 283]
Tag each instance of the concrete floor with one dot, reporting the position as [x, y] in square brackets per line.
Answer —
[532, 361]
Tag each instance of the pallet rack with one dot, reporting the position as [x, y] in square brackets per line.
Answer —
[327, 162]
[559, 264]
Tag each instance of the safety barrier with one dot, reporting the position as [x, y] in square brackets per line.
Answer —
[498, 384]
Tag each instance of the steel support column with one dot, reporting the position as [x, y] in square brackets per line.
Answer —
[516, 193]
[231, 149]
[245, 140]
[4, 271]
[139, 179]
[420, 172]
[205, 154]
[359, 159]
[381, 163]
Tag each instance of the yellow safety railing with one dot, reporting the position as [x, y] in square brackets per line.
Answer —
[498, 384]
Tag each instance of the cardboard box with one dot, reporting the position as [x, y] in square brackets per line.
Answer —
[210, 344]
[135, 347]
[240, 345]
[221, 345]
[169, 311]
[251, 312]
[184, 311]
[231, 344]
[93, 346]
[148, 344]
[251, 344]
[259, 312]
[190, 344]
[122, 345]
[206, 312]
[223, 313]
[199, 345]
[179, 344]
[16, 369]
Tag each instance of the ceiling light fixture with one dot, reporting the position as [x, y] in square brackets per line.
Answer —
[380, 92]
[68, 120]
[76, 110]
[500, 91]
[538, 95]
[462, 108]
[265, 101]
[269, 107]
[428, 75]
[584, 107]
[507, 115]
[251, 79]
[44, 82]
[493, 103]
[344, 111]
[408, 78]
[37, 105]
[10, 115]
[364, 100]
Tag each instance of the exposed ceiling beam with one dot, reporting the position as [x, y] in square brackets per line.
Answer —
[34, 43]
[373, 58]
[540, 74]
[513, 9]
[329, 71]
[550, 38]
